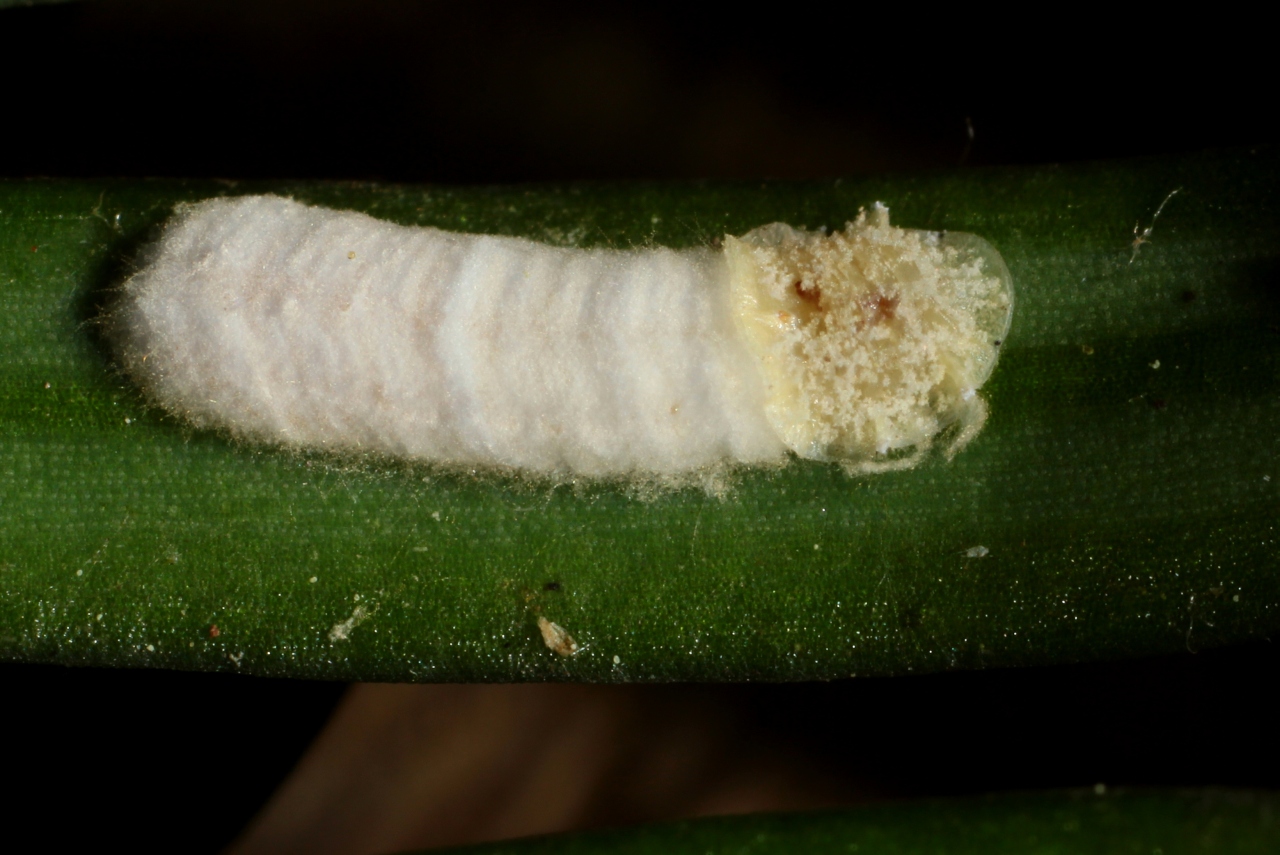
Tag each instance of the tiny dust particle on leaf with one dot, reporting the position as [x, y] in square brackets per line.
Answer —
[556, 638]
[341, 631]
[977, 552]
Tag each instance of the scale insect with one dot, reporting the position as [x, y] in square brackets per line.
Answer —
[323, 329]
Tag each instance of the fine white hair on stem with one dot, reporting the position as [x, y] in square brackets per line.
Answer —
[315, 328]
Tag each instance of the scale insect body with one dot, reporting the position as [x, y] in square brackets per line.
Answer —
[315, 328]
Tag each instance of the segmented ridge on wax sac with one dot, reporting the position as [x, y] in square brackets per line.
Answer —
[331, 329]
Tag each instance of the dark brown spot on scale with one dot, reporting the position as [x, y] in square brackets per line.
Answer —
[882, 308]
[811, 295]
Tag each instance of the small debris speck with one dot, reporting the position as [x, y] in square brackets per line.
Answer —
[551, 586]
[1155, 364]
[435, 515]
[151, 648]
[351, 254]
[555, 637]
[1086, 350]
[341, 631]
[1140, 238]
[214, 632]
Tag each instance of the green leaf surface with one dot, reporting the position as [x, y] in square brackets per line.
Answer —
[1089, 823]
[1124, 489]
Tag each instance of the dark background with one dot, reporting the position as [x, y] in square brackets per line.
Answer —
[409, 90]
[514, 92]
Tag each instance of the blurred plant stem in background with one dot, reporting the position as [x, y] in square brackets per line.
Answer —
[405, 767]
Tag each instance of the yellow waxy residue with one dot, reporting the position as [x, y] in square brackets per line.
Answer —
[871, 340]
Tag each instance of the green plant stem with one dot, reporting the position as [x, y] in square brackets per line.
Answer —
[1125, 488]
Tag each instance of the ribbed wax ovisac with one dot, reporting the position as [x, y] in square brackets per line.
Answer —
[320, 328]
